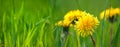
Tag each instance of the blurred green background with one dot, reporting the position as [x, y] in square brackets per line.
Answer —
[31, 23]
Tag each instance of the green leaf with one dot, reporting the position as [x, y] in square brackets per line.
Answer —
[116, 39]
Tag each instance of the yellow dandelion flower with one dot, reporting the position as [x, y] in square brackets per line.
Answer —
[72, 15]
[86, 24]
[109, 13]
[70, 18]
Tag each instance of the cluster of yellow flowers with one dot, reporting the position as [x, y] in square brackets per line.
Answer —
[84, 23]
[109, 12]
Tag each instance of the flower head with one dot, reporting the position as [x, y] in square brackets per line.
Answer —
[109, 13]
[70, 18]
[86, 24]
[72, 15]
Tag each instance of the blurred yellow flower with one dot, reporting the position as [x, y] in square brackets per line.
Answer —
[75, 14]
[86, 24]
[70, 18]
[109, 12]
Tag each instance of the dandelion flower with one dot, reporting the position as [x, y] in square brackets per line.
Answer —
[109, 13]
[70, 18]
[72, 15]
[86, 24]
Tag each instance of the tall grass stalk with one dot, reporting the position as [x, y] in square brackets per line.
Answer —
[111, 34]
[78, 41]
[103, 25]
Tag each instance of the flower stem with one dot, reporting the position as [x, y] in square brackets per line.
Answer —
[93, 41]
[78, 41]
[65, 34]
[111, 34]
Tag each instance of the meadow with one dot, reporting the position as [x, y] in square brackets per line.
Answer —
[31, 23]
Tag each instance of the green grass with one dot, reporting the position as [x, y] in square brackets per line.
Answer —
[31, 23]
